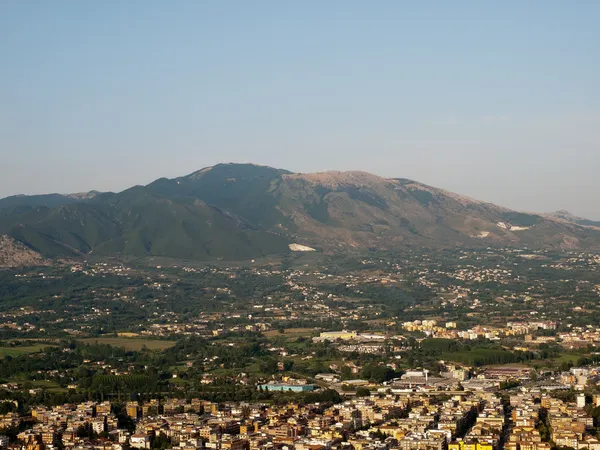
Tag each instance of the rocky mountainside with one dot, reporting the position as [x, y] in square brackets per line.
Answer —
[237, 211]
[570, 218]
[15, 254]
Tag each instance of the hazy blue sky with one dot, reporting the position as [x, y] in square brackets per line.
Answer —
[496, 100]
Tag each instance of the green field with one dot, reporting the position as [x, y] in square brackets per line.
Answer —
[290, 333]
[16, 351]
[131, 344]
[557, 361]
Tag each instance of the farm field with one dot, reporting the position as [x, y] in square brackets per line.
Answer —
[290, 332]
[16, 351]
[131, 343]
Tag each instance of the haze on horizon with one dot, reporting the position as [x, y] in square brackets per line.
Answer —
[500, 102]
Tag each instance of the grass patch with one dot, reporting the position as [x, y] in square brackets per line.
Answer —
[290, 333]
[568, 357]
[131, 344]
[555, 362]
[26, 349]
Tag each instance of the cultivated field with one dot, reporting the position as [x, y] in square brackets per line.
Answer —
[131, 344]
[16, 351]
[290, 332]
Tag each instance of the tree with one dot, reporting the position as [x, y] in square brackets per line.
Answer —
[363, 392]
[161, 442]
[246, 411]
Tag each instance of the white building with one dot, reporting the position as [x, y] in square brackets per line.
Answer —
[98, 426]
[139, 441]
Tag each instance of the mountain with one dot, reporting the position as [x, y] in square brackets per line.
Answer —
[568, 217]
[26, 202]
[237, 211]
[23, 203]
[15, 254]
[84, 195]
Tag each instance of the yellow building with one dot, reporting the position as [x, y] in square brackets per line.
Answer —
[461, 445]
[133, 410]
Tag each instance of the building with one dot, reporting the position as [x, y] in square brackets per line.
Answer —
[99, 426]
[103, 409]
[462, 445]
[335, 335]
[233, 443]
[140, 441]
[283, 387]
[328, 377]
[133, 410]
[423, 441]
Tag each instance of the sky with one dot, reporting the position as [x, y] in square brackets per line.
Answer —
[499, 101]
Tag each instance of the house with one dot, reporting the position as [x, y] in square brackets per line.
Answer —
[140, 441]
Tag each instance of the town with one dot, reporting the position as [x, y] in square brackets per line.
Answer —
[412, 412]
[451, 350]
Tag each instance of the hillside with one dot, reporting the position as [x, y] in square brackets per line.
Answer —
[22, 203]
[237, 211]
[363, 210]
[15, 254]
[570, 218]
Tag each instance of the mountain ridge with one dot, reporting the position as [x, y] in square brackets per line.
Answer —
[571, 218]
[238, 211]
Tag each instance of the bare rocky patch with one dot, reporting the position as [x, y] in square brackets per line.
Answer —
[15, 254]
